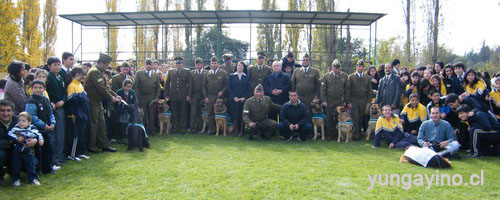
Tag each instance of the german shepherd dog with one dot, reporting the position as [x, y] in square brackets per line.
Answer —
[204, 116]
[221, 122]
[136, 131]
[318, 122]
[344, 125]
[164, 116]
[374, 112]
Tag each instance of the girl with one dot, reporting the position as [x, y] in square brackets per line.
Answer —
[437, 84]
[405, 76]
[475, 87]
[449, 83]
[372, 71]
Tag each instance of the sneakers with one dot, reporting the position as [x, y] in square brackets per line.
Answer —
[298, 138]
[36, 182]
[74, 158]
[83, 156]
[16, 183]
[288, 139]
[55, 167]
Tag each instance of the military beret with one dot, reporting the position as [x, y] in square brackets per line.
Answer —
[125, 64]
[213, 59]
[198, 60]
[360, 62]
[227, 56]
[178, 60]
[306, 56]
[261, 54]
[336, 63]
[149, 62]
[104, 58]
[156, 61]
[259, 88]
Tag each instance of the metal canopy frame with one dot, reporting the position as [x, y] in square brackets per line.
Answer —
[219, 17]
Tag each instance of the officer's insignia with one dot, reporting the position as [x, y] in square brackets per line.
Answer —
[246, 111]
[99, 80]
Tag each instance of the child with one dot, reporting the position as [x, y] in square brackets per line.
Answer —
[78, 114]
[495, 97]
[436, 101]
[389, 126]
[23, 155]
[129, 96]
[413, 114]
[42, 74]
[40, 109]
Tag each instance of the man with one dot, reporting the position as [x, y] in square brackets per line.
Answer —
[305, 81]
[214, 86]
[97, 90]
[147, 87]
[117, 80]
[295, 118]
[396, 64]
[255, 111]
[228, 65]
[156, 66]
[484, 131]
[459, 69]
[389, 90]
[9, 120]
[68, 61]
[358, 93]
[177, 90]
[259, 72]
[196, 94]
[333, 89]
[277, 84]
[438, 134]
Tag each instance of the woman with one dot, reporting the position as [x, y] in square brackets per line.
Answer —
[448, 81]
[14, 88]
[475, 87]
[381, 71]
[372, 71]
[438, 67]
[238, 91]
[438, 84]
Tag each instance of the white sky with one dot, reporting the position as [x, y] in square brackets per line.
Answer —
[466, 23]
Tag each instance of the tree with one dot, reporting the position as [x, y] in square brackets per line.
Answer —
[9, 46]
[141, 32]
[49, 28]
[220, 5]
[200, 4]
[112, 32]
[31, 39]
[387, 50]
[408, 9]
[324, 38]
[166, 29]
[293, 31]
[268, 34]
[177, 35]
[154, 37]
[188, 53]
[208, 46]
[432, 8]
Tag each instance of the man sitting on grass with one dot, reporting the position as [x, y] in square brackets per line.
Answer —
[389, 126]
[294, 119]
[438, 135]
[484, 132]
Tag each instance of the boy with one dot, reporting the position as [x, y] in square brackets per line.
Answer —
[128, 95]
[390, 127]
[484, 131]
[22, 154]
[436, 101]
[40, 109]
[413, 114]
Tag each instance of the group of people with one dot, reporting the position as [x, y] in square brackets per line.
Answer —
[59, 111]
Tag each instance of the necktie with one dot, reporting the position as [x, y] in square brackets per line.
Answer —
[147, 72]
[460, 79]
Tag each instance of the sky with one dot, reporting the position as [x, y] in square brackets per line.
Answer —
[466, 24]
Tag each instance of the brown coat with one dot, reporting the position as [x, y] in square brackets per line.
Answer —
[178, 85]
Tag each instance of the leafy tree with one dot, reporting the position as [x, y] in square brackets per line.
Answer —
[9, 46]
[31, 38]
[268, 34]
[207, 46]
[49, 28]
[112, 42]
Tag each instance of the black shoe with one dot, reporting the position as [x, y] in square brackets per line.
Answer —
[92, 151]
[109, 149]
[288, 139]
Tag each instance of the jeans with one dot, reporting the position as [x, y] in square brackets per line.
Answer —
[59, 132]
[29, 161]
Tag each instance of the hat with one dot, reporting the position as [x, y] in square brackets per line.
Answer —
[336, 63]
[149, 62]
[178, 60]
[227, 56]
[213, 59]
[360, 62]
[104, 58]
[261, 55]
[289, 55]
[305, 56]
[259, 88]
[156, 61]
[125, 64]
[198, 60]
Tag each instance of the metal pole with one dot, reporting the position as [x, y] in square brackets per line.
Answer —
[375, 49]
[219, 39]
[281, 50]
[162, 44]
[72, 41]
[81, 42]
[250, 52]
[108, 40]
[310, 41]
[370, 45]
[136, 44]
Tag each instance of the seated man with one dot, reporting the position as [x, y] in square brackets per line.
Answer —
[413, 114]
[255, 111]
[484, 131]
[438, 135]
[389, 126]
[294, 118]
[9, 120]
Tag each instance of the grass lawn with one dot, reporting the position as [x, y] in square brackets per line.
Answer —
[209, 167]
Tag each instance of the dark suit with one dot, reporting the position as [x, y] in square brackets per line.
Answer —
[459, 84]
[237, 88]
[282, 82]
[389, 91]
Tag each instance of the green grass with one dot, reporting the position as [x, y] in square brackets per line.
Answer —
[209, 167]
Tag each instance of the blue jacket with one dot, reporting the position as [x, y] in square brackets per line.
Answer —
[295, 114]
[41, 112]
[442, 107]
[280, 81]
[238, 88]
[453, 85]
[78, 105]
[483, 121]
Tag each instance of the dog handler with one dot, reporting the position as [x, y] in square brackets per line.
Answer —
[332, 92]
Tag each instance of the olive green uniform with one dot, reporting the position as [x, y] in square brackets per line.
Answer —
[117, 82]
[177, 88]
[97, 90]
[333, 93]
[258, 74]
[358, 93]
[256, 111]
[196, 94]
[213, 83]
[307, 84]
[147, 87]
[228, 68]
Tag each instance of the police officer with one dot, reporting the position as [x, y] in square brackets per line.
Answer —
[147, 87]
[358, 94]
[228, 64]
[214, 86]
[97, 90]
[255, 113]
[117, 80]
[196, 94]
[332, 92]
[259, 72]
[305, 81]
[177, 89]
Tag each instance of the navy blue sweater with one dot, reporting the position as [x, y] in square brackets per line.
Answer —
[295, 114]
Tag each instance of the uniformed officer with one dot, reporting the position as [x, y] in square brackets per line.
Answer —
[147, 87]
[214, 86]
[358, 94]
[97, 90]
[332, 95]
[259, 72]
[305, 81]
[177, 90]
[228, 64]
[196, 94]
[117, 80]
[255, 113]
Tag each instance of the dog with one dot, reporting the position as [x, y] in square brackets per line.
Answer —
[221, 118]
[318, 118]
[136, 132]
[344, 125]
[204, 116]
[374, 112]
[153, 115]
[164, 116]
